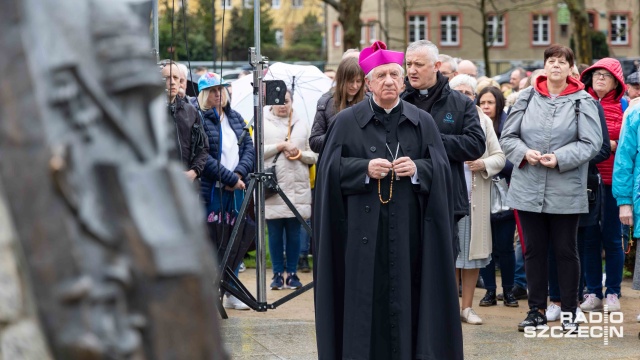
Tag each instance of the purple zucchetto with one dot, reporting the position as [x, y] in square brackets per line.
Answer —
[377, 55]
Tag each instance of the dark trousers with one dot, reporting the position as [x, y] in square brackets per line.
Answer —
[560, 231]
[554, 288]
[502, 232]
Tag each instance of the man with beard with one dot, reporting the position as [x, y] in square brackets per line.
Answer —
[385, 285]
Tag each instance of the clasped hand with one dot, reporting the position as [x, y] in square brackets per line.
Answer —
[288, 149]
[379, 168]
[534, 157]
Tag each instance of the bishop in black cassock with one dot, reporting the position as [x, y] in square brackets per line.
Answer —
[384, 280]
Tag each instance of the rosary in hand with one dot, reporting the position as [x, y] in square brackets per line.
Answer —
[384, 174]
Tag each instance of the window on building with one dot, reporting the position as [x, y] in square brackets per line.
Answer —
[619, 30]
[363, 35]
[337, 35]
[279, 37]
[449, 30]
[592, 20]
[540, 30]
[417, 28]
[373, 35]
[296, 4]
[248, 4]
[495, 30]
[226, 4]
[275, 4]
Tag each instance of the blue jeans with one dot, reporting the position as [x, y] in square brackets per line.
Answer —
[554, 288]
[609, 238]
[277, 229]
[520, 277]
[305, 240]
[502, 237]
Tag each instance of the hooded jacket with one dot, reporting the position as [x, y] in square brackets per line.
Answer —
[611, 105]
[551, 126]
[292, 175]
[212, 167]
[626, 178]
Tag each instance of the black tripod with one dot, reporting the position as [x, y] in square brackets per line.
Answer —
[258, 180]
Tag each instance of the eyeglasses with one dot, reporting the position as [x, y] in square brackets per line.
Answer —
[468, 93]
[599, 75]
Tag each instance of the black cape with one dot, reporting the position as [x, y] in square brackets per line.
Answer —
[346, 215]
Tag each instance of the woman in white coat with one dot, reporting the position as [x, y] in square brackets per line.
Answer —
[286, 139]
[475, 229]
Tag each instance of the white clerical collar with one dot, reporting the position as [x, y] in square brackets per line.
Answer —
[424, 92]
[386, 110]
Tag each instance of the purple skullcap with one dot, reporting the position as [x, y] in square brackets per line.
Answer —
[377, 55]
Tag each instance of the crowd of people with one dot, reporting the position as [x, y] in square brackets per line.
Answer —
[431, 171]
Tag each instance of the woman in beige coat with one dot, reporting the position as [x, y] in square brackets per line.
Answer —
[287, 135]
[475, 229]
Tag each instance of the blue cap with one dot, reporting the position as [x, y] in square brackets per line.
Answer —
[210, 80]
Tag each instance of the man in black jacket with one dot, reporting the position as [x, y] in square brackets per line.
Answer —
[187, 125]
[454, 113]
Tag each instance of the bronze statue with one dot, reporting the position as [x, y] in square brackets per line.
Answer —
[111, 229]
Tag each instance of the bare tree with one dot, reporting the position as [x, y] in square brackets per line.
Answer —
[349, 17]
[581, 34]
[493, 7]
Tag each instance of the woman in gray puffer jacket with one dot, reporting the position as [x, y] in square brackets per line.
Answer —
[550, 143]
[349, 90]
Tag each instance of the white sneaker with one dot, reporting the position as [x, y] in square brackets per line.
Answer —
[638, 318]
[579, 311]
[591, 303]
[612, 302]
[553, 312]
[470, 317]
[231, 302]
[242, 267]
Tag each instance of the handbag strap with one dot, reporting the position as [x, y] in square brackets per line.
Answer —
[286, 138]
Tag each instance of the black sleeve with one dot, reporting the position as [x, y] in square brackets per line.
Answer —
[605, 150]
[200, 159]
[318, 131]
[470, 143]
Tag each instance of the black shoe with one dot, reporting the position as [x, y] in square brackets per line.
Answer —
[534, 318]
[500, 297]
[480, 283]
[303, 264]
[509, 300]
[568, 326]
[519, 293]
[489, 299]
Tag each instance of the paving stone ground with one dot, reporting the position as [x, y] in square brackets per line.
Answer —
[288, 332]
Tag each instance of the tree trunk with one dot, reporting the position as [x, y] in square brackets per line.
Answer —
[351, 25]
[485, 40]
[349, 17]
[581, 33]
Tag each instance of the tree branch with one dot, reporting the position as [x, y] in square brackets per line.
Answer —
[334, 4]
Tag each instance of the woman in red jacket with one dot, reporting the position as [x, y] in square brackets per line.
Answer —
[604, 80]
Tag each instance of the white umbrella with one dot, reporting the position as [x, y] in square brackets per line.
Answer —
[307, 82]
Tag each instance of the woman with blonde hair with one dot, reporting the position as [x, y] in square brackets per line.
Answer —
[349, 90]
[228, 164]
